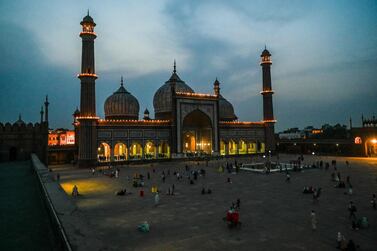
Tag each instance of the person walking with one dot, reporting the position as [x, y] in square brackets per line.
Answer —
[339, 240]
[288, 177]
[352, 209]
[373, 201]
[313, 219]
[156, 199]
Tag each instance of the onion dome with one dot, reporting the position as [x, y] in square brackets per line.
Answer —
[121, 105]
[162, 98]
[226, 111]
[19, 122]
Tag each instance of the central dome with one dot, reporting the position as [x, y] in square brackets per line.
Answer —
[162, 98]
[121, 105]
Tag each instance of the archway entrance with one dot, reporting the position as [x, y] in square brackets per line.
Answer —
[371, 147]
[120, 152]
[136, 151]
[149, 150]
[13, 153]
[197, 133]
[103, 152]
[163, 150]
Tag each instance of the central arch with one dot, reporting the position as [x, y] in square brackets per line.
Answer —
[197, 133]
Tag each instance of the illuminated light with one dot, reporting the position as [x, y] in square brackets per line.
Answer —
[87, 117]
[92, 33]
[81, 75]
[134, 121]
[269, 121]
[374, 141]
[266, 92]
[240, 123]
[358, 140]
[313, 153]
[337, 144]
[191, 94]
[314, 144]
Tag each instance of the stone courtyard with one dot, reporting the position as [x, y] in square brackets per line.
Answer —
[275, 214]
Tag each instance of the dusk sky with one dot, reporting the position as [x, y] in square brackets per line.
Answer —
[324, 55]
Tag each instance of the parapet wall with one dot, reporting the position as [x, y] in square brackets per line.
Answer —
[70, 223]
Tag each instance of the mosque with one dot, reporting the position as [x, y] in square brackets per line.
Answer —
[185, 123]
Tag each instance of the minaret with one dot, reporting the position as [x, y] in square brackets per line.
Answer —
[46, 109]
[268, 112]
[87, 120]
[41, 112]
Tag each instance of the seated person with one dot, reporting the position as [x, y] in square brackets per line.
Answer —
[121, 192]
[144, 227]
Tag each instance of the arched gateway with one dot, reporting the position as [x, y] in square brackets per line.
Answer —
[197, 133]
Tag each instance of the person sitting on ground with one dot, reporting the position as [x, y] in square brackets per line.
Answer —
[203, 191]
[121, 192]
[354, 225]
[144, 227]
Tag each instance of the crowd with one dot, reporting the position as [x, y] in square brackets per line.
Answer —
[190, 175]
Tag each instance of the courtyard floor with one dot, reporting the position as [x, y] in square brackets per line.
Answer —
[275, 215]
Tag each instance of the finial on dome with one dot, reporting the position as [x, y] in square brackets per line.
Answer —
[265, 47]
[175, 67]
[121, 81]
[88, 11]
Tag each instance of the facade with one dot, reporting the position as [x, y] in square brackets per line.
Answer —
[18, 140]
[185, 124]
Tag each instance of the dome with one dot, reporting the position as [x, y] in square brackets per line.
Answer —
[121, 105]
[162, 97]
[226, 111]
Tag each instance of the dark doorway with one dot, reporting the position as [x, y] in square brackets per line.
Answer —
[13, 153]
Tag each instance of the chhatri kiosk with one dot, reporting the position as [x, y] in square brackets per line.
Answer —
[185, 123]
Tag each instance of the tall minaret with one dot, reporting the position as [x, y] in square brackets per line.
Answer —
[268, 111]
[87, 120]
[46, 109]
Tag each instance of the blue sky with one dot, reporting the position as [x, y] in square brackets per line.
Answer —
[324, 55]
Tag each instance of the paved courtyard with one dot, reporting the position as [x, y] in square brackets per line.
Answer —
[275, 214]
